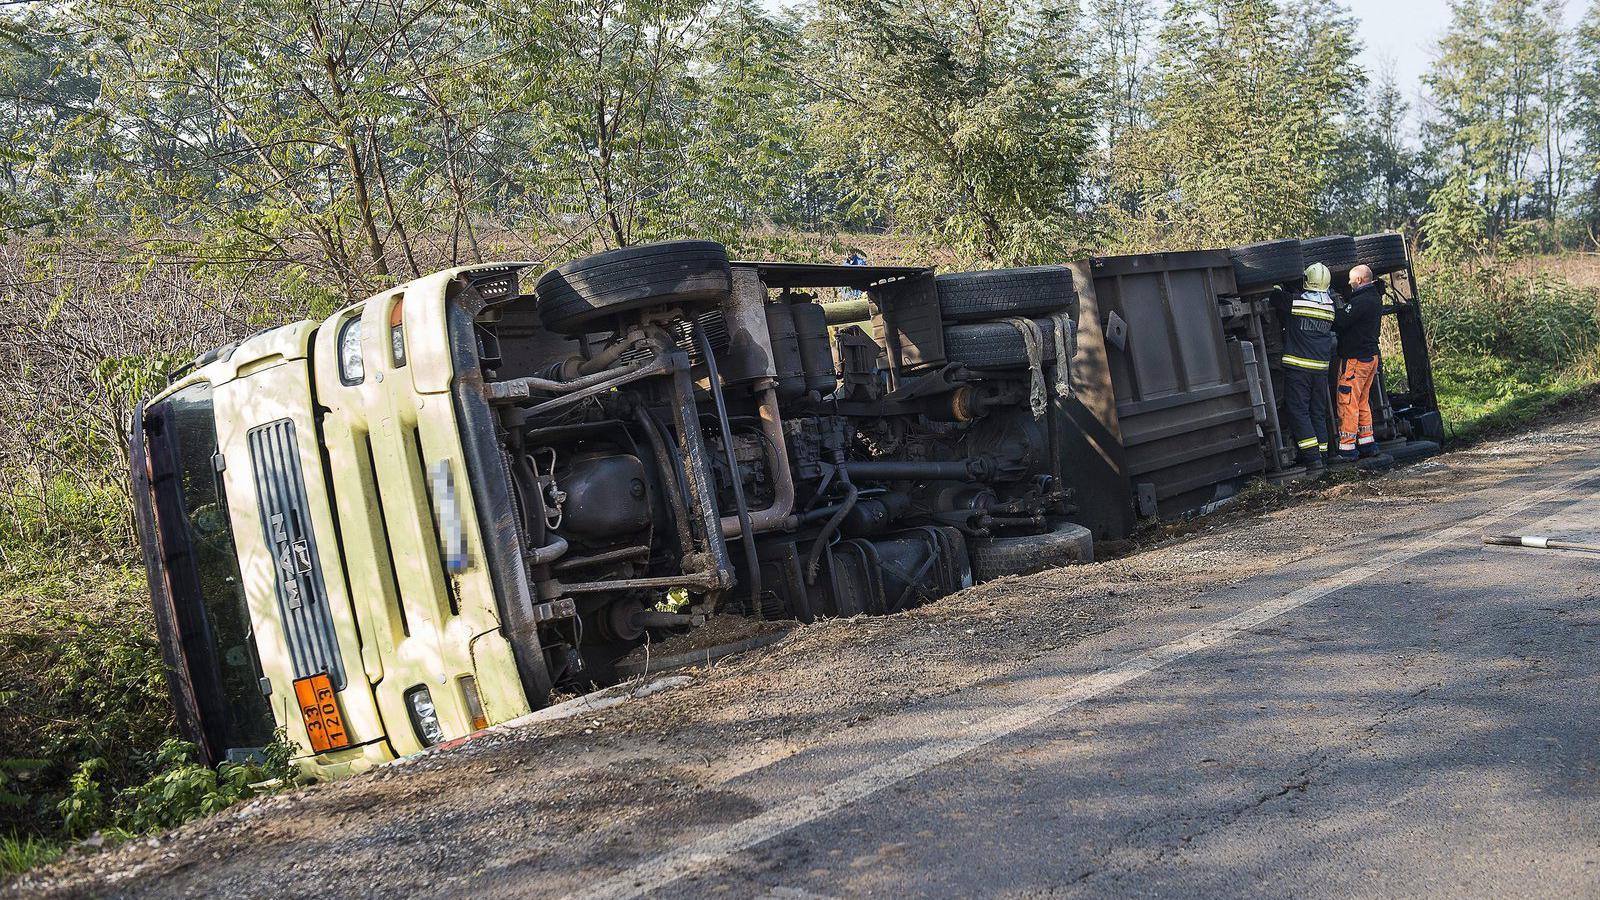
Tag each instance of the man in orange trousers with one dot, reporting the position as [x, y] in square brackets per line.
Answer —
[1358, 325]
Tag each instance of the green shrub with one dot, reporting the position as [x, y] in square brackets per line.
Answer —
[179, 791]
[76, 638]
[1505, 347]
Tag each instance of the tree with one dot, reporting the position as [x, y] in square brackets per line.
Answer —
[1120, 35]
[1494, 90]
[47, 94]
[1585, 116]
[968, 120]
[1379, 180]
[1245, 116]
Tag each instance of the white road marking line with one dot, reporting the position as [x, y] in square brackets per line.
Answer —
[660, 871]
[789, 893]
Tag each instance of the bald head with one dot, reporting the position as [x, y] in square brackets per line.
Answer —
[1360, 275]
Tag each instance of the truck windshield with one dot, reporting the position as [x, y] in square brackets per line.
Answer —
[212, 640]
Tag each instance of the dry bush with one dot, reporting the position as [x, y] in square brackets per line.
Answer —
[84, 334]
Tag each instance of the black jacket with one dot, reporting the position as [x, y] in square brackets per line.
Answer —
[1308, 341]
[1359, 322]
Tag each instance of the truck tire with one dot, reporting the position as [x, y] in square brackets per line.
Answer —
[993, 293]
[1385, 253]
[574, 297]
[1413, 451]
[1266, 264]
[1336, 251]
[1065, 544]
[995, 345]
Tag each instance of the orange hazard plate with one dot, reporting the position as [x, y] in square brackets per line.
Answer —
[320, 709]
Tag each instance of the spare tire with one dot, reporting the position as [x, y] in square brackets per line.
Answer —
[1063, 545]
[574, 297]
[996, 345]
[1336, 251]
[993, 293]
[1384, 253]
[1266, 264]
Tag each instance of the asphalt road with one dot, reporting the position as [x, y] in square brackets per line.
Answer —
[1409, 714]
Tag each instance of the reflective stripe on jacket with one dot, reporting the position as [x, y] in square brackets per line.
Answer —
[1308, 339]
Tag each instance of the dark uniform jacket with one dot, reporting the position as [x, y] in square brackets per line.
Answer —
[1359, 322]
[1308, 341]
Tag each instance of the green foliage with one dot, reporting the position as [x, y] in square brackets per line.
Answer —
[179, 791]
[969, 121]
[1541, 323]
[1495, 87]
[1507, 348]
[76, 636]
[21, 853]
[1245, 116]
[1585, 116]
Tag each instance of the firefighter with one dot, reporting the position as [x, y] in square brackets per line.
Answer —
[1308, 346]
[1357, 326]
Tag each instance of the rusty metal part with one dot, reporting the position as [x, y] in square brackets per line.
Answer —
[707, 581]
[777, 516]
[747, 534]
[599, 559]
[748, 356]
[669, 478]
[702, 501]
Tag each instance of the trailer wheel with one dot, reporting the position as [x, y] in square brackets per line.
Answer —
[1266, 264]
[1063, 545]
[1384, 253]
[1336, 251]
[995, 345]
[574, 297]
[990, 294]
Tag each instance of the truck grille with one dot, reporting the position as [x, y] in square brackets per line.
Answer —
[286, 523]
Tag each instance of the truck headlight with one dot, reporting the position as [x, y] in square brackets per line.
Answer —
[351, 368]
[424, 717]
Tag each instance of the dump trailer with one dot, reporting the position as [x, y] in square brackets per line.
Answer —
[421, 516]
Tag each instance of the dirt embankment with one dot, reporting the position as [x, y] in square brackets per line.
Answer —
[535, 804]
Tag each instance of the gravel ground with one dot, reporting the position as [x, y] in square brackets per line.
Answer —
[555, 795]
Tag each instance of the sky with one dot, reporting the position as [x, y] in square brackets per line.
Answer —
[1404, 34]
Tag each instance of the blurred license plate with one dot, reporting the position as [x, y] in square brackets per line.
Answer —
[320, 710]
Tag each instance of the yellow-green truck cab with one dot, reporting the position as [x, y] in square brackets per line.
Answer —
[314, 547]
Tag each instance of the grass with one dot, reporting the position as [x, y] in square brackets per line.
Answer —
[21, 853]
[1483, 397]
[1511, 342]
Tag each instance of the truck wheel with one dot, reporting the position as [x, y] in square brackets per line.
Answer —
[573, 297]
[995, 345]
[1266, 264]
[1385, 253]
[1336, 251]
[1413, 451]
[1063, 545]
[991, 294]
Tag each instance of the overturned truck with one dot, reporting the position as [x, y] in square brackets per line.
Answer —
[423, 515]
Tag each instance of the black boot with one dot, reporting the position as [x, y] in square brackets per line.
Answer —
[1312, 460]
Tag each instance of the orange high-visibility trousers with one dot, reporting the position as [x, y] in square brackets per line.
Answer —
[1355, 401]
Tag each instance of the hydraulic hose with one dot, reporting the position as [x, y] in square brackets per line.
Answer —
[832, 526]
